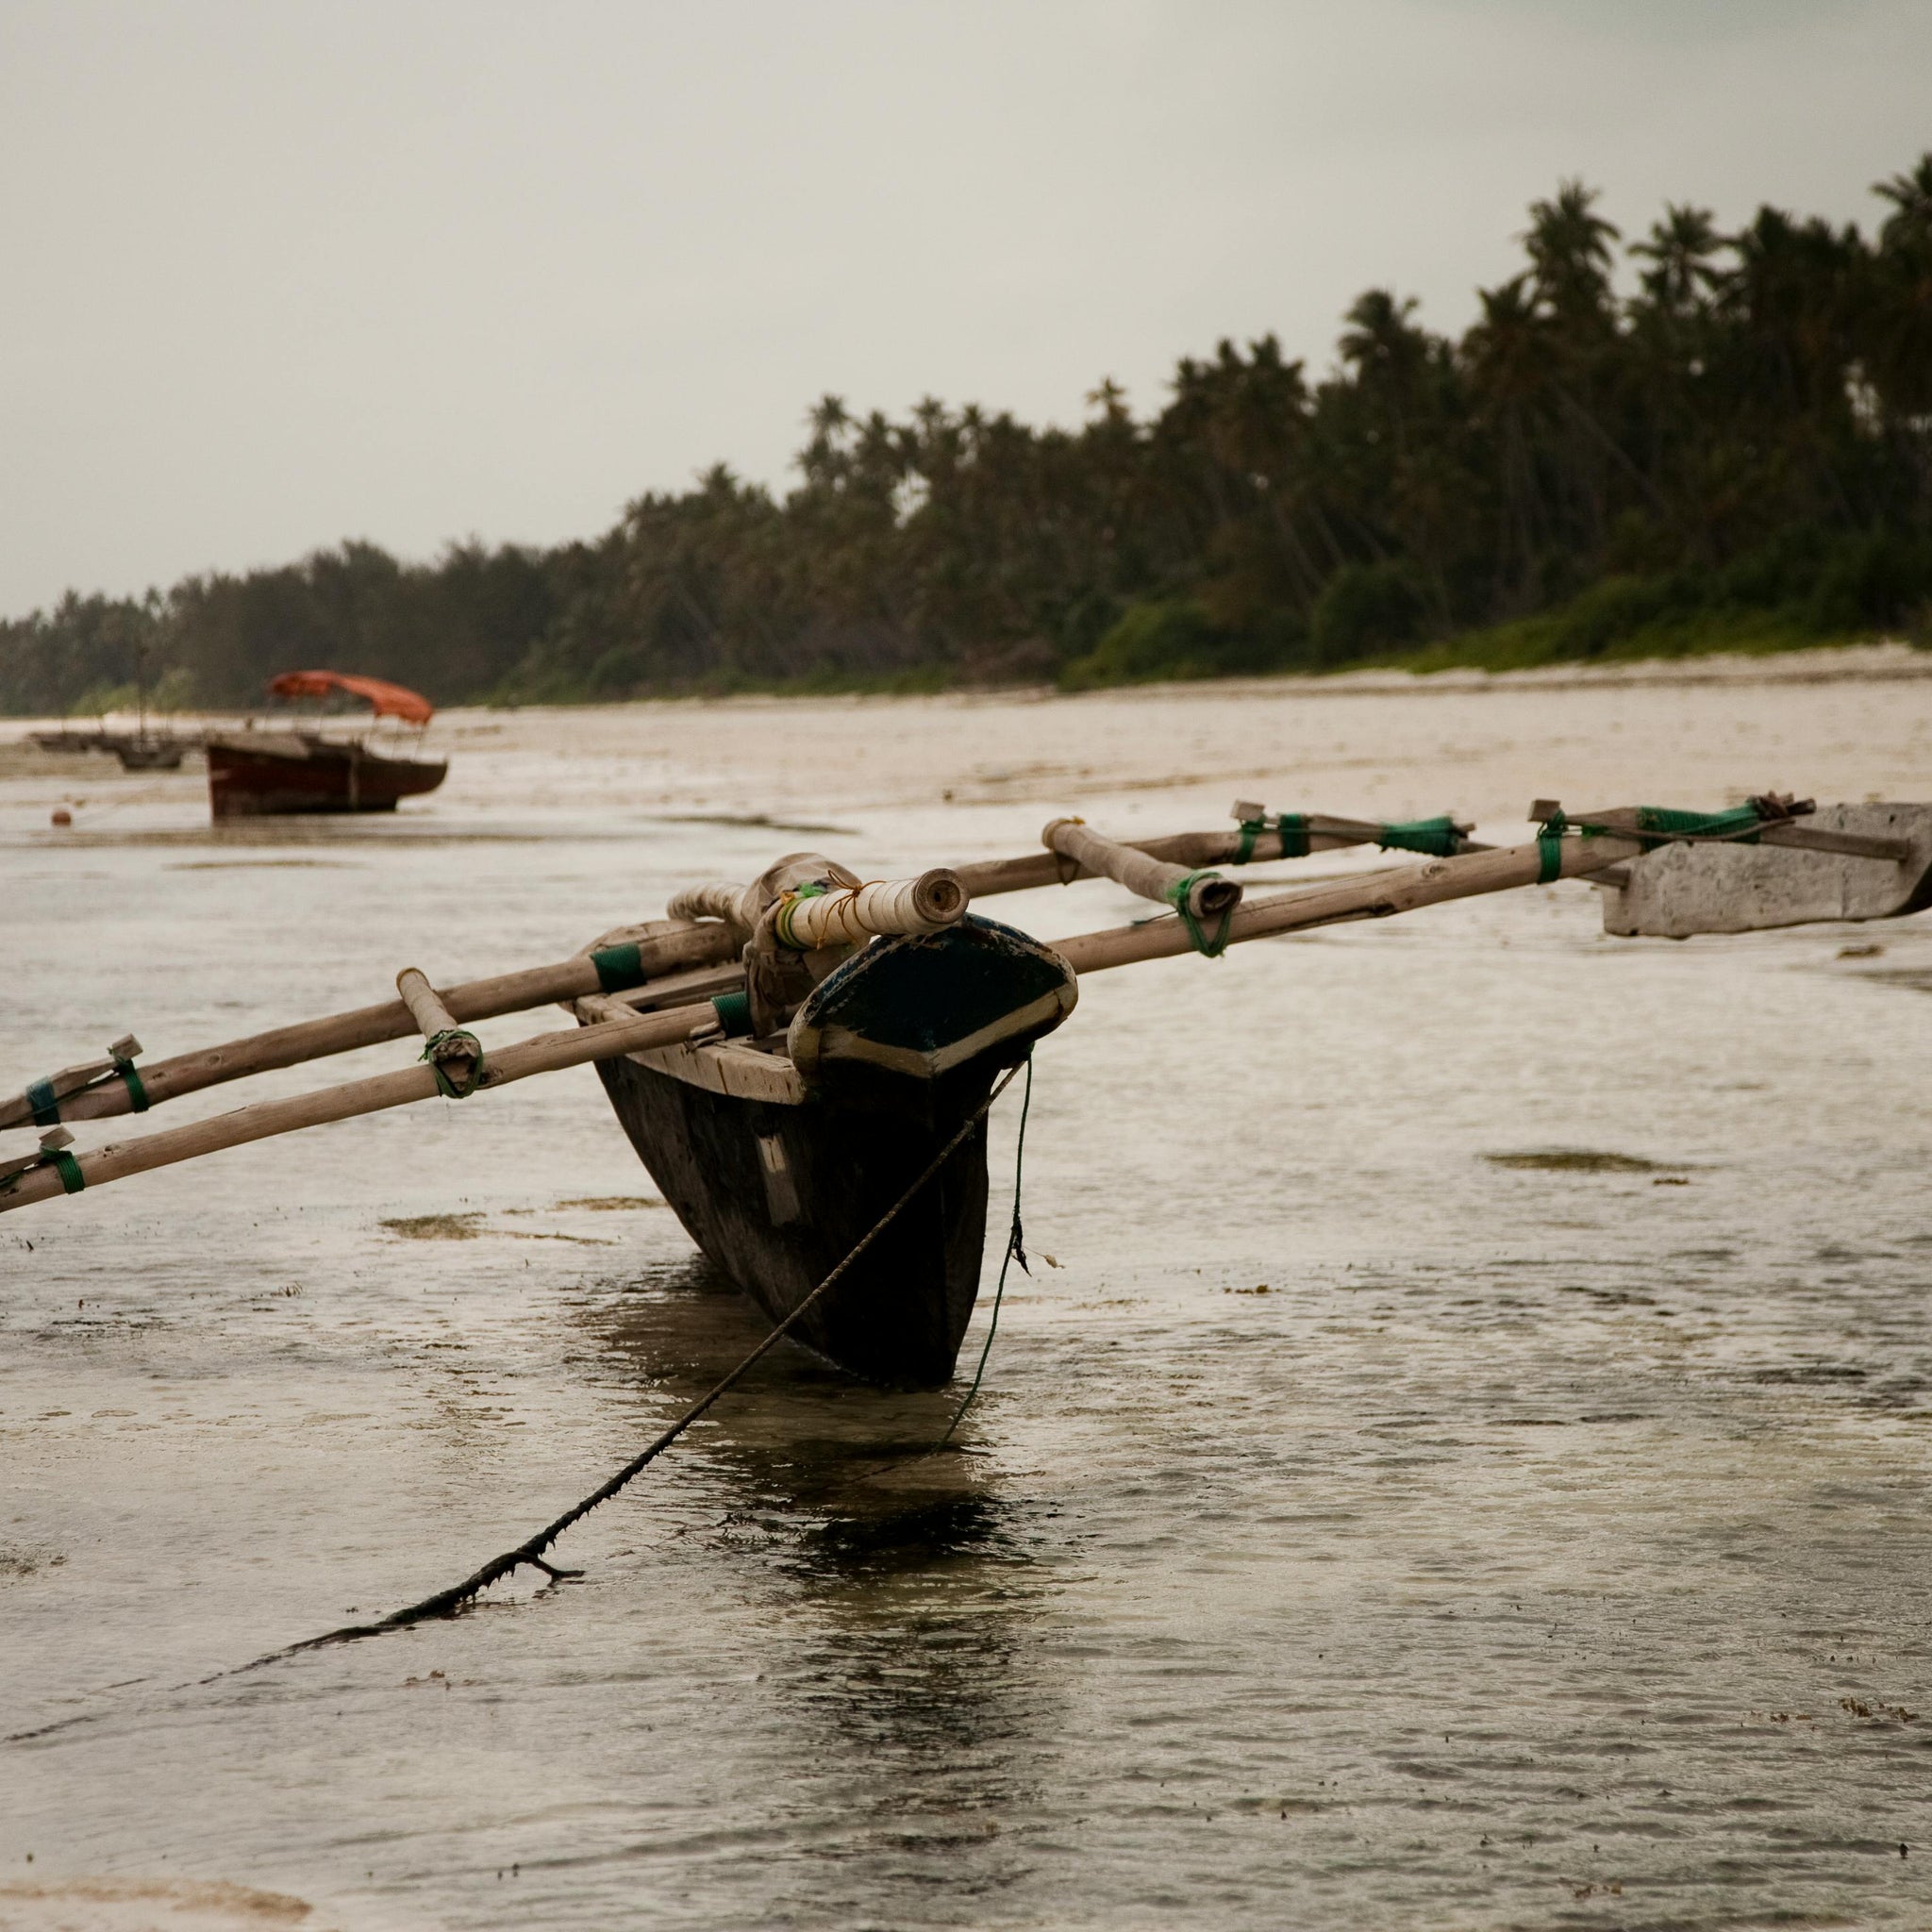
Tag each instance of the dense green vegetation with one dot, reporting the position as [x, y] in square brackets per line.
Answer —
[1735, 454]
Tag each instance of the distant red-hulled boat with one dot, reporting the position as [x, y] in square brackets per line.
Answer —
[286, 768]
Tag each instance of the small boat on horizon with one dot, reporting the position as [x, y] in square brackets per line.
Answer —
[295, 766]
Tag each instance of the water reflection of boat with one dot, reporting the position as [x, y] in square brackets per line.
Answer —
[857, 1464]
[286, 768]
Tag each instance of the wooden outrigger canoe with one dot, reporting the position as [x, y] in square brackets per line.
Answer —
[791, 1058]
[780, 1154]
[284, 768]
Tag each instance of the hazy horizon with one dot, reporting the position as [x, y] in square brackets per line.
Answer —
[285, 277]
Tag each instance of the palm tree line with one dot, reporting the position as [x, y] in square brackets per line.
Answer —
[1735, 447]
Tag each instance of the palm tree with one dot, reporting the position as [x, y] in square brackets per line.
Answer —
[1570, 253]
[1680, 249]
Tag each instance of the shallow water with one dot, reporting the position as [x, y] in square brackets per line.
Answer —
[1546, 1545]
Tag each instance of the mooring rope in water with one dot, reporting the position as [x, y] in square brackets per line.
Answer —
[1016, 1250]
[446, 1603]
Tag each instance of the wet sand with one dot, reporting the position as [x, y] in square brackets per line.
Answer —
[1465, 1464]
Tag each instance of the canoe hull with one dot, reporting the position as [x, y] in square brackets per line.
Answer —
[781, 1158]
[777, 1197]
[264, 779]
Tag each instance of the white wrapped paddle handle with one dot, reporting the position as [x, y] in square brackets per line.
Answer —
[850, 916]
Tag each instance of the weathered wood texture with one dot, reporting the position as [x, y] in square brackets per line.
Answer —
[314, 1040]
[1374, 896]
[1681, 890]
[1141, 872]
[1192, 851]
[777, 1197]
[547, 1053]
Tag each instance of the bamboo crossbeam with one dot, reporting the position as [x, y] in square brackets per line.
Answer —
[1797, 835]
[1193, 850]
[314, 1040]
[1202, 897]
[1375, 895]
[546, 1053]
[455, 1052]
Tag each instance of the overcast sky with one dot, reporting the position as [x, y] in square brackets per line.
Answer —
[275, 275]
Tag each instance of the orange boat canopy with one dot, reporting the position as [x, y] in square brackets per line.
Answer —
[389, 700]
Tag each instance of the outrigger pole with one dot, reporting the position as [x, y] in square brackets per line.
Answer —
[1697, 889]
[703, 932]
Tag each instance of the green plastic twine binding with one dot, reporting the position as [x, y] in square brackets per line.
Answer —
[781, 921]
[64, 1164]
[1671, 825]
[1435, 838]
[734, 1013]
[445, 1084]
[1177, 897]
[40, 1096]
[619, 968]
[1549, 848]
[137, 1094]
[1290, 827]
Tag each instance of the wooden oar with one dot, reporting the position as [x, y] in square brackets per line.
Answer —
[546, 1053]
[607, 971]
[1374, 896]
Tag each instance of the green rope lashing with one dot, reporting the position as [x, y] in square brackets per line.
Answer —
[64, 1164]
[1435, 838]
[1290, 827]
[1177, 895]
[781, 920]
[734, 1013]
[137, 1094]
[467, 1045]
[1740, 825]
[1549, 847]
[40, 1096]
[619, 968]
